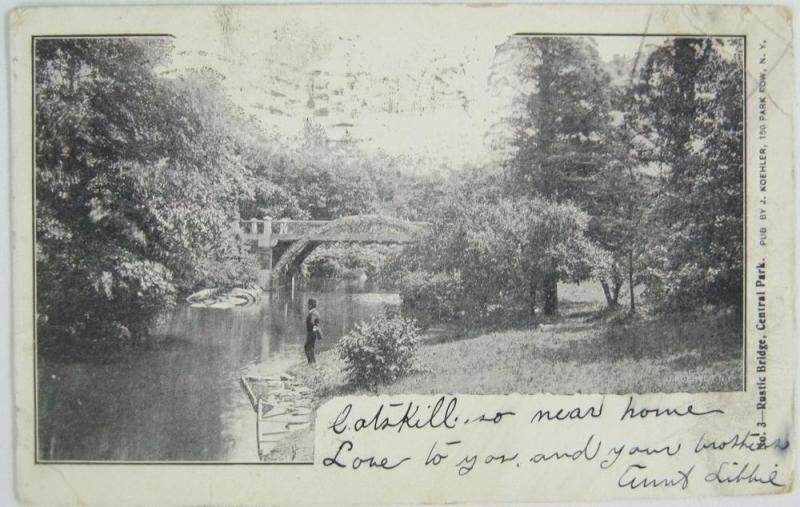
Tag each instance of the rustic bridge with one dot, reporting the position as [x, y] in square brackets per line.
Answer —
[282, 245]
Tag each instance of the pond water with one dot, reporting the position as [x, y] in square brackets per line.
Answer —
[179, 398]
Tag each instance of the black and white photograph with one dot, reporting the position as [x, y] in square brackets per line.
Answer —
[231, 232]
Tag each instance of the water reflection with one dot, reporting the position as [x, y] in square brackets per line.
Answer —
[179, 398]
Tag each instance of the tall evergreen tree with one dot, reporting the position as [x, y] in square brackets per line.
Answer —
[561, 142]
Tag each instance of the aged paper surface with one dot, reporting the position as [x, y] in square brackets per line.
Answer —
[615, 322]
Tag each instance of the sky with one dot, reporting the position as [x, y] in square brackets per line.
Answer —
[393, 92]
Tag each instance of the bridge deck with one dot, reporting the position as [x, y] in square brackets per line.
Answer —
[268, 232]
[367, 237]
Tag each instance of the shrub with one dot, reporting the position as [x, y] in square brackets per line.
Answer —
[234, 269]
[323, 265]
[379, 351]
[347, 260]
[102, 297]
[429, 297]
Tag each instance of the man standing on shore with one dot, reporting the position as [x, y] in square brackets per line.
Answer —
[313, 330]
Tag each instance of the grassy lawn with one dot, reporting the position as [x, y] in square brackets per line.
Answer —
[578, 353]
[576, 357]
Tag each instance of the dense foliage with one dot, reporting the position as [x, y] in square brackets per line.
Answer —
[325, 181]
[628, 172]
[500, 250]
[140, 172]
[379, 351]
[343, 260]
[432, 297]
[129, 210]
[688, 110]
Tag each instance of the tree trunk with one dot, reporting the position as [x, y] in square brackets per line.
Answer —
[532, 297]
[610, 303]
[615, 291]
[551, 294]
[630, 281]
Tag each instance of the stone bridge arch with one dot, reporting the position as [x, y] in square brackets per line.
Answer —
[290, 248]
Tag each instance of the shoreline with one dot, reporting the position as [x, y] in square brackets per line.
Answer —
[298, 445]
[576, 354]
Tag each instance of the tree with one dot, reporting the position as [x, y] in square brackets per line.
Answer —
[561, 141]
[502, 250]
[561, 144]
[618, 194]
[136, 185]
[617, 206]
[417, 197]
[325, 181]
[688, 109]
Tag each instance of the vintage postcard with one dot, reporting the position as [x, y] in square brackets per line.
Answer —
[402, 254]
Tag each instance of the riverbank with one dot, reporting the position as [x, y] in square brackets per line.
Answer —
[577, 354]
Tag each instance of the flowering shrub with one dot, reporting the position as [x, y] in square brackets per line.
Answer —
[379, 351]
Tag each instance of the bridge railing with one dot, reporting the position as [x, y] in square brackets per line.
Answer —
[263, 230]
[285, 226]
[266, 230]
[250, 229]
